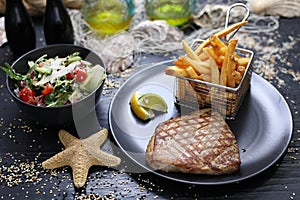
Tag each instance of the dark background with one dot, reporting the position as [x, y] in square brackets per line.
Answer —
[25, 144]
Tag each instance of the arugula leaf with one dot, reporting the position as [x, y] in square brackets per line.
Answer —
[60, 94]
[11, 72]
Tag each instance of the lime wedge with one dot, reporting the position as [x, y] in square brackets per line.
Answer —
[153, 101]
[139, 111]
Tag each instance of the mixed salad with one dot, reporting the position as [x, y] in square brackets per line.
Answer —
[56, 81]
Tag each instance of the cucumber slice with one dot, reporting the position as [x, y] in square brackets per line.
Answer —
[95, 77]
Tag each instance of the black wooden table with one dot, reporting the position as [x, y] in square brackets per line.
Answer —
[24, 145]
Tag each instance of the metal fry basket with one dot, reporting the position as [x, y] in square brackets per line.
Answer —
[194, 93]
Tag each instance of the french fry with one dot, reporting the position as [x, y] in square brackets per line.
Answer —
[243, 61]
[231, 28]
[222, 50]
[203, 57]
[176, 71]
[223, 76]
[231, 68]
[199, 66]
[215, 74]
[220, 60]
[189, 51]
[221, 34]
[241, 69]
[237, 77]
[216, 42]
[211, 53]
[191, 72]
[205, 77]
[225, 70]
[181, 63]
[236, 56]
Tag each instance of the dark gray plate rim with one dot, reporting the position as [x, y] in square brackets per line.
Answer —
[263, 126]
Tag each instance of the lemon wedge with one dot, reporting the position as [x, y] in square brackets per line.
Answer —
[141, 112]
[153, 101]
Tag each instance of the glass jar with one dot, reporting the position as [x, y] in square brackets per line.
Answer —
[175, 12]
[108, 17]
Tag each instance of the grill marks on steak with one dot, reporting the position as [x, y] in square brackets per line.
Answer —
[200, 142]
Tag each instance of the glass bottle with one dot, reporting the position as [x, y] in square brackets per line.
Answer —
[19, 28]
[175, 12]
[108, 17]
[58, 26]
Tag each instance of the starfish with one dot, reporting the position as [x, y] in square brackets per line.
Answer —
[80, 155]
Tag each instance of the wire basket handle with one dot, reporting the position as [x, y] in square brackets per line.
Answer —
[228, 16]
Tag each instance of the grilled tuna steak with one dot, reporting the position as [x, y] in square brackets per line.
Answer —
[200, 143]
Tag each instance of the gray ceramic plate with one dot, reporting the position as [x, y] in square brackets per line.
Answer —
[263, 126]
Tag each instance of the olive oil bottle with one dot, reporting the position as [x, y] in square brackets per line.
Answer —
[19, 28]
[175, 12]
[108, 17]
[57, 25]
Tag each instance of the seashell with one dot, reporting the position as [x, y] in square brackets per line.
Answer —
[214, 15]
[155, 36]
[158, 30]
[118, 52]
[285, 8]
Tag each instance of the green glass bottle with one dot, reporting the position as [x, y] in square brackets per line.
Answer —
[19, 28]
[108, 17]
[174, 12]
[58, 26]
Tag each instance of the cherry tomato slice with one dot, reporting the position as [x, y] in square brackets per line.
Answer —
[47, 90]
[70, 76]
[81, 75]
[27, 95]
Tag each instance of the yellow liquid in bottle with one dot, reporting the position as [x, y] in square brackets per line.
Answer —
[108, 22]
[108, 16]
[174, 14]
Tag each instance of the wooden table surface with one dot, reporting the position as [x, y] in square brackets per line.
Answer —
[24, 145]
